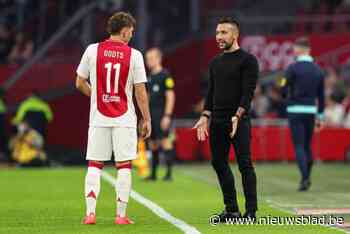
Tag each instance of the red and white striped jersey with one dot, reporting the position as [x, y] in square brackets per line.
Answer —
[113, 68]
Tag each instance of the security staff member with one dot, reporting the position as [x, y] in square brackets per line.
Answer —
[36, 112]
[233, 76]
[27, 147]
[304, 84]
[162, 101]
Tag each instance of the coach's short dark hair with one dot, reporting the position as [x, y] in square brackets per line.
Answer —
[118, 21]
[302, 42]
[229, 20]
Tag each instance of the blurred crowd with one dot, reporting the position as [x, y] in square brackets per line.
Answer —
[25, 24]
[333, 9]
[16, 44]
[15, 47]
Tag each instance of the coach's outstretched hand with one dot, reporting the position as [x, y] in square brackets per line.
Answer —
[202, 128]
[146, 129]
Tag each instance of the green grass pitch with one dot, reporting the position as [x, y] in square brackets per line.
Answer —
[51, 200]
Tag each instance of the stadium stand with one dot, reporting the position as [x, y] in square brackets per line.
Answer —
[323, 21]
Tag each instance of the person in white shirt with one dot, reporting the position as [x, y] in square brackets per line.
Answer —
[114, 69]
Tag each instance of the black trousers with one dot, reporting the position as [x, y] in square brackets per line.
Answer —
[220, 142]
[302, 128]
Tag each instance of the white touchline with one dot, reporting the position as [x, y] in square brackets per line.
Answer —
[186, 228]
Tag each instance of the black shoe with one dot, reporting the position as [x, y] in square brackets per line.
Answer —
[249, 216]
[167, 178]
[225, 216]
[304, 185]
[151, 178]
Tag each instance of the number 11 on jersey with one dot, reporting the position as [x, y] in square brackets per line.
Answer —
[109, 67]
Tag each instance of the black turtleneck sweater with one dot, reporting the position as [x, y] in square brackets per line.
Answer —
[232, 81]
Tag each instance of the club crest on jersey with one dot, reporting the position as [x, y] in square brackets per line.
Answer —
[106, 98]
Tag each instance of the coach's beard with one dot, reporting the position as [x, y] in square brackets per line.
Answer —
[227, 45]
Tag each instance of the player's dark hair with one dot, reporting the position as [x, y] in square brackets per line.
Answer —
[303, 42]
[229, 20]
[118, 21]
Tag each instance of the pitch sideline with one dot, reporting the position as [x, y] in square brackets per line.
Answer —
[156, 209]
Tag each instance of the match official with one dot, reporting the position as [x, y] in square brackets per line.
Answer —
[162, 102]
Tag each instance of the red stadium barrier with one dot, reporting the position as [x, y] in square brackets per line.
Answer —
[269, 144]
[40, 77]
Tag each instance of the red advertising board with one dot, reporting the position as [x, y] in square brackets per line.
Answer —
[275, 52]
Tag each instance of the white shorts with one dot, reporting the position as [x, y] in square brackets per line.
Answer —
[103, 140]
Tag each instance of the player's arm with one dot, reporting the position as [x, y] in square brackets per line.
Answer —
[140, 81]
[142, 102]
[83, 71]
[83, 85]
[141, 96]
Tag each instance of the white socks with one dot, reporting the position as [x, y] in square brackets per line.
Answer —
[123, 188]
[92, 188]
[93, 184]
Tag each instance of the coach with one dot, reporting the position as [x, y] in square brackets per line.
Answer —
[232, 80]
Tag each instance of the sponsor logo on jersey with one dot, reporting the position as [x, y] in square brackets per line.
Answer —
[106, 98]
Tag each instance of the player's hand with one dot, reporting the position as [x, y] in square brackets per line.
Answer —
[165, 123]
[234, 121]
[146, 129]
[319, 125]
[202, 128]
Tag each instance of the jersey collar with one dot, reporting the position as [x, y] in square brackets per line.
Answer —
[116, 42]
[305, 58]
